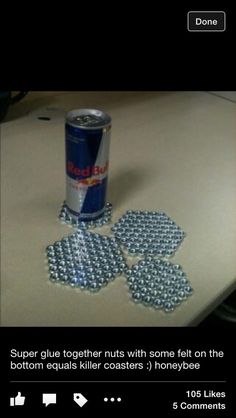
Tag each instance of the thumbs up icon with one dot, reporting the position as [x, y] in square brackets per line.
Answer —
[18, 400]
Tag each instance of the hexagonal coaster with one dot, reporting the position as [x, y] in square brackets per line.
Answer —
[158, 283]
[104, 219]
[145, 232]
[85, 260]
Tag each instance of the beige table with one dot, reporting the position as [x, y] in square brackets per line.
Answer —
[170, 151]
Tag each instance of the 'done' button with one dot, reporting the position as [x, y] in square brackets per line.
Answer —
[206, 21]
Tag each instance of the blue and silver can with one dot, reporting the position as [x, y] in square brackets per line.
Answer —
[87, 158]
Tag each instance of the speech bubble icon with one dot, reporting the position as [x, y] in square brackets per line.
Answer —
[49, 398]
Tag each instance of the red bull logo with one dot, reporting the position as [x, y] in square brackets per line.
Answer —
[87, 171]
[90, 181]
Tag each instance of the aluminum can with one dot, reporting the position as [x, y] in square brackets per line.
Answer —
[87, 143]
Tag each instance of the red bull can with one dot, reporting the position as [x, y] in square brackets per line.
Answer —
[87, 158]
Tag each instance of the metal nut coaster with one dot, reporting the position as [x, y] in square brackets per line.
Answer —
[85, 260]
[145, 232]
[105, 219]
[158, 283]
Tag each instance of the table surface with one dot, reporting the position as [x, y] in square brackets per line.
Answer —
[170, 151]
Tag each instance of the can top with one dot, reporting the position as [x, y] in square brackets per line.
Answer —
[88, 118]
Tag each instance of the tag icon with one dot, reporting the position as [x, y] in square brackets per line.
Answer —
[79, 399]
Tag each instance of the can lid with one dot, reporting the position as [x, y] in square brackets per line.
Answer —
[88, 118]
